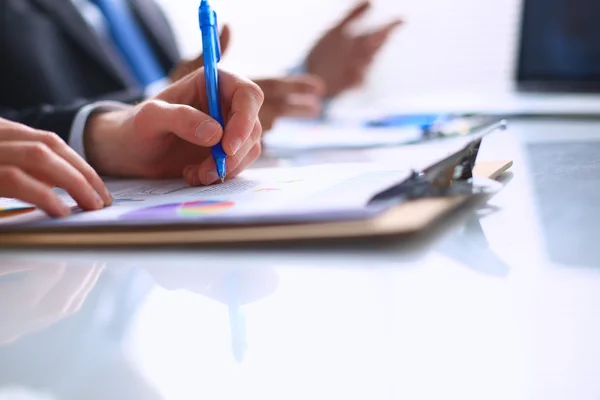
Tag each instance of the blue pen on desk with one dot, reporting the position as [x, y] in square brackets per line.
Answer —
[211, 50]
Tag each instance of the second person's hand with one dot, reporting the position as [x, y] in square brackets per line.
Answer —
[341, 58]
[294, 96]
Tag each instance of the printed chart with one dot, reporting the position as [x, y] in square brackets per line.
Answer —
[192, 209]
[14, 211]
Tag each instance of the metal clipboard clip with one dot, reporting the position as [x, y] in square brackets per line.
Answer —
[452, 176]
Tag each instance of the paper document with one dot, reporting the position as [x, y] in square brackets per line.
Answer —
[296, 136]
[255, 196]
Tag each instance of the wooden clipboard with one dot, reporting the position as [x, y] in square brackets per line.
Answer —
[406, 218]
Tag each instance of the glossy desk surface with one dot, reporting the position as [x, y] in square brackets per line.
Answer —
[502, 302]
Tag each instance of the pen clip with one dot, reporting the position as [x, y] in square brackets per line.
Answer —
[217, 37]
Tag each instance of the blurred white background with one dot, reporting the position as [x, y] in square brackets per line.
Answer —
[459, 46]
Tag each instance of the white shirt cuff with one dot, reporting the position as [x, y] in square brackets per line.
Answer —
[76, 141]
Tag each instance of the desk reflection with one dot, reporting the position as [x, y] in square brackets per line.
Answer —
[36, 295]
[64, 325]
[566, 178]
[470, 247]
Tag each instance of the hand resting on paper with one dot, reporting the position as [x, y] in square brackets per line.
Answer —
[32, 162]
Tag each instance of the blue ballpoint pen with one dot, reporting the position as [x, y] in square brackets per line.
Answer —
[211, 50]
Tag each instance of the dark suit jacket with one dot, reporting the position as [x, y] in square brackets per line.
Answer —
[52, 62]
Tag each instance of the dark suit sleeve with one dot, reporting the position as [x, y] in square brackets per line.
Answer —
[47, 117]
[59, 119]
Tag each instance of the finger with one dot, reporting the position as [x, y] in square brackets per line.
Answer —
[56, 144]
[391, 26]
[376, 39]
[250, 158]
[205, 173]
[294, 106]
[238, 166]
[37, 160]
[241, 101]
[281, 88]
[14, 183]
[224, 39]
[354, 14]
[267, 117]
[184, 121]
[356, 76]
[246, 100]
[366, 50]
[248, 153]
[11, 126]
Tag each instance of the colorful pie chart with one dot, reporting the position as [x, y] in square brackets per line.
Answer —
[179, 210]
[14, 211]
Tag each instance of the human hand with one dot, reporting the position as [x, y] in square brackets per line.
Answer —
[296, 96]
[186, 67]
[170, 135]
[342, 59]
[35, 295]
[32, 162]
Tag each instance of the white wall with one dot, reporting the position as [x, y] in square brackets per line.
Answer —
[458, 45]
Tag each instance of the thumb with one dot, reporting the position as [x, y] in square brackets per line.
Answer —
[354, 14]
[225, 39]
[183, 121]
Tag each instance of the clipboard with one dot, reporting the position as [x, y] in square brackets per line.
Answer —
[406, 208]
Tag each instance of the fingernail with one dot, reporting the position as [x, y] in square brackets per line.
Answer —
[64, 211]
[208, 131]
[188, 175]
[98, 201]
[108, 199]
[235, 146]
[194, 177]
[211, 177]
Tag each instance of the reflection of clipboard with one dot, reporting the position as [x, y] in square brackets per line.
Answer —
[408, 207]
[471, 248]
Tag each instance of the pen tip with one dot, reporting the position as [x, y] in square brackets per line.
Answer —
[222, 180]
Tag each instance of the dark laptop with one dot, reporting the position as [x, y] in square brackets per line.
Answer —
[559, 48]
